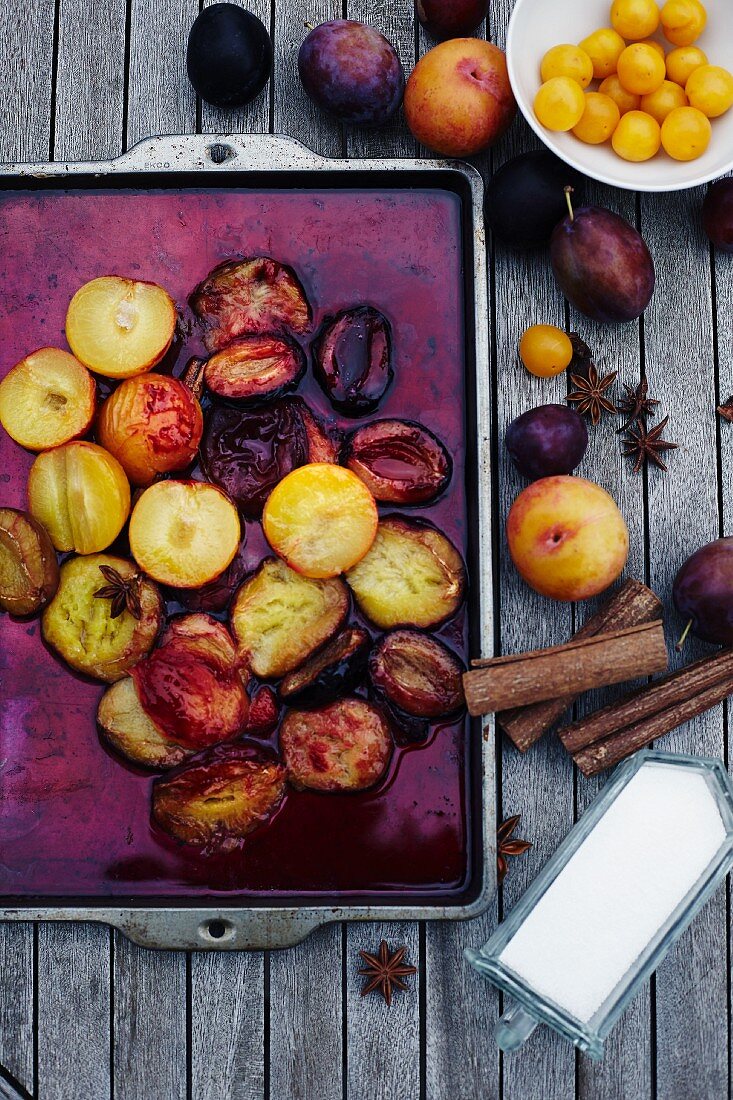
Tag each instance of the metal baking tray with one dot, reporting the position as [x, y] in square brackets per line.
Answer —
[221, 167]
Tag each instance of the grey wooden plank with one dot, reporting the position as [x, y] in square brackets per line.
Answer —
[255, 116]
[16, 1002]
[538, 785]
[90, 79]
[294, 113]
[306, 1041]
[306, 1004]
[723, 273]
[73, 1012]
[149, 1021]
[26, 54]
[160, 99]
[461, 1008]
[692, 995]
[626, 1069]
[396, 21]
[74, 960]
[382, 1044]
[227, 1026]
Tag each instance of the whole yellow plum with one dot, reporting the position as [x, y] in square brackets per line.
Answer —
[458, 99]
[567, 538]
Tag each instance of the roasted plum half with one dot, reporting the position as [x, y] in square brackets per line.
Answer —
[251, 297]
[352, 359]
[279, 617]
[126, 727]
[399, 461]
[344, 746]
[220, 797]
[247, 452]
[323, 446]
[29, 571]
[412, 576]
[191, 686]
[332, 671]
[99, 634]
[255, 368]
[417, 673]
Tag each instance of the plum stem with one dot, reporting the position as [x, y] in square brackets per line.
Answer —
[568, 192]
[682, 640]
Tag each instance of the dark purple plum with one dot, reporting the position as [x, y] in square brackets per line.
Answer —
[703, 592]
[352, 359]
[526, 198]
[352, 72]
[229, 55]
[602, 265]
[549, 440]
[451, 18]
[216, 595]
[246, 452]
[717, 214]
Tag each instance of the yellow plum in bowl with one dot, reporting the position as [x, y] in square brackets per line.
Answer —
[567, 538]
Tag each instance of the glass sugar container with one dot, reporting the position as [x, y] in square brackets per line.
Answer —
[621, 888]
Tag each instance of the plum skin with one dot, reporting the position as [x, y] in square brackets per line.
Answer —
[228, 56]
[703, 591]
[525, 199]
[602, 265]
[717, 214]
[548, 440]
[451, 18]
[351, 71]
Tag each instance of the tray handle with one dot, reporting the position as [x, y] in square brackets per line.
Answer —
[238, 152]
[229, 930]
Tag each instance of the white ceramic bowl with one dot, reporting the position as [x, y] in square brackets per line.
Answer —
[536, 25]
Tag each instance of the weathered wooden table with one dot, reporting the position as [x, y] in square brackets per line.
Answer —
[85, 1015]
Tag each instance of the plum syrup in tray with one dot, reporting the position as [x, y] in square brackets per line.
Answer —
[75, 819]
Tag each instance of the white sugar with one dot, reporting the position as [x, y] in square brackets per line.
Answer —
[627, 877]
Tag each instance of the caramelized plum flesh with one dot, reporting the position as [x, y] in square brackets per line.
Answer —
[246, 453]
[332, 671]
[127, 728]
[353, 360]
[399, 461]
[250, 297]
[221, 797]
[191, 687]
[255, 368]
[412, 576]
[344, 746]
[29, 572]
[417, 673]
[280, 617]
[81, 628]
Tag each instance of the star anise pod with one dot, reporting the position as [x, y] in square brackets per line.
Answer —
[726, 410]
[506, 847]
[636, 404]
[385, 971]
[124, 592]
[646, 444]
[589, 393]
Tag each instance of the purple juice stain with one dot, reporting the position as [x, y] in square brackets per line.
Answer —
[69, 806]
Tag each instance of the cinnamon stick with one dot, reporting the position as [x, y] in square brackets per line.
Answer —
[632, 604]
[616, 731]
[579, 666]
[649, 700]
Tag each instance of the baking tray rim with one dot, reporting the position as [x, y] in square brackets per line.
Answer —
[264, 926]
